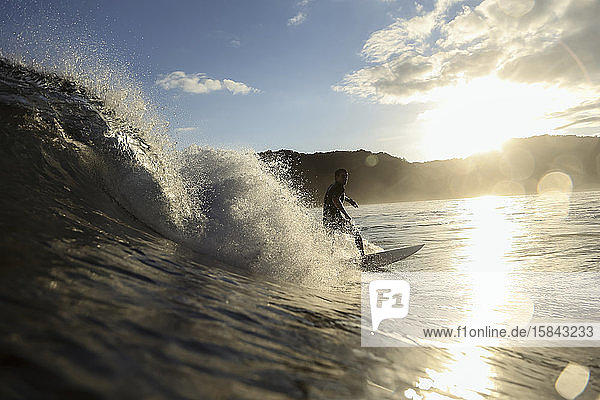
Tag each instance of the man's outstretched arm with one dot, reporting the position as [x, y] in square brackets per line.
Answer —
[338, 204]
[352, 202]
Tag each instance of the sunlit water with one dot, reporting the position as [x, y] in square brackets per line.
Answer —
[130, 314]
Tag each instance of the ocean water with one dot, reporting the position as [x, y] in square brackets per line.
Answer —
[132, 270]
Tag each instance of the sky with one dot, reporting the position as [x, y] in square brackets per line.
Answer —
[421, 80]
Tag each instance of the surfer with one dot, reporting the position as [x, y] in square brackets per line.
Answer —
[335, 217]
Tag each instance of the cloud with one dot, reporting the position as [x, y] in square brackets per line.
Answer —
[553, 43]
[201, 83]
[297, 19]
[227, 38]
[237, 87]
[582, 115]
[300, 16]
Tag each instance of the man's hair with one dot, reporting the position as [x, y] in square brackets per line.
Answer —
[340, 171]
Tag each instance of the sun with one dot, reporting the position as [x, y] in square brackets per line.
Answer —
[481, 114]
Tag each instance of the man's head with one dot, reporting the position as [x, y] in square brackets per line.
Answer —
[341, 176]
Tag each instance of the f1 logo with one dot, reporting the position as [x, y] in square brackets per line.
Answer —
[389, 299]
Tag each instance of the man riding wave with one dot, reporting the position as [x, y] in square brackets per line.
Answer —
[335, 217]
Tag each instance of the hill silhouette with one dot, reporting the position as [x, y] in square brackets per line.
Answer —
[522, 166]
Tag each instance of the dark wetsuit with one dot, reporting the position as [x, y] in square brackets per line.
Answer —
[332, 217]
[333, 220]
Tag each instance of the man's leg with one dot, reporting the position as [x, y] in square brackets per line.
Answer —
[329, 229]
[352, 230]
[359, 241]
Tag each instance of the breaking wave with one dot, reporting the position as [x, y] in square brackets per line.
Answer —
[87, 146]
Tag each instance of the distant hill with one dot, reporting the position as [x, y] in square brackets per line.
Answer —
[521, 166]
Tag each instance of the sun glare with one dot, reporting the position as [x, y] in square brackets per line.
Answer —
[479, 115]
[467, 375]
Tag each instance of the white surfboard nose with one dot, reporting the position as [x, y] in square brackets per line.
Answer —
[380, 259]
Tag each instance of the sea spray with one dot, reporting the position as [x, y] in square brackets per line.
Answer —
[220, 202]
[252, 217]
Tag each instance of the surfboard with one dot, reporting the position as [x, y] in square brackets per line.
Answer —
[376, 261]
